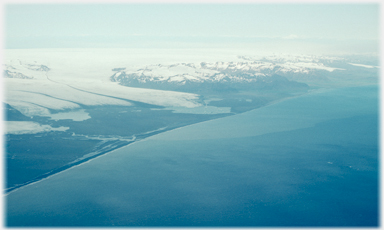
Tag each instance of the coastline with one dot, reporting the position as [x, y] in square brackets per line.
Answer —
[138, 138]
[183, 177]
[81, 161]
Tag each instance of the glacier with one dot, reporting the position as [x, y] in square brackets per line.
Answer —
[27, 127]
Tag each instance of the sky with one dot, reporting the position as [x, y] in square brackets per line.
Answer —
[346, 27]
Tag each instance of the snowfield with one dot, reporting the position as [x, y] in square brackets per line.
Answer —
[50, 95]
[365, 66]
[149, 96]
[247, 69]
[28, 127]
[39, 80]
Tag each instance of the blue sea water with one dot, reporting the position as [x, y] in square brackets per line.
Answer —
[306, 161]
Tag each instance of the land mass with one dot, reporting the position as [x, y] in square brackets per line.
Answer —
[80, 119]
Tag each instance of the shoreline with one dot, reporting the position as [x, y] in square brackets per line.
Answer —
[80, 161]
[139, 137]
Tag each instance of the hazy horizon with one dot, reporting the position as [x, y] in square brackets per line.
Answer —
[297, 28]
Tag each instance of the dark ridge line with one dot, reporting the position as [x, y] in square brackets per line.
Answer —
[137, 103]
[61, 99]
[142, 104]
[34, 104]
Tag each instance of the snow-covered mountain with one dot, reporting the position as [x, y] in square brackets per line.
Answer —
[249, 70]
[183, 76]
[10, 74]
[51, 83]
[259, 71]
[24, 70]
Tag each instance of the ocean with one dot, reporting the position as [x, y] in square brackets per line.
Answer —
[307, 161]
